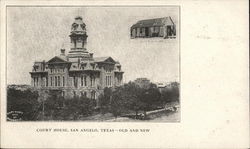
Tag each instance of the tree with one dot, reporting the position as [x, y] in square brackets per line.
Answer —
[131, 97]
[171, 94]
[104, 100]
[150, 99]
[58, 108]
[25, 101]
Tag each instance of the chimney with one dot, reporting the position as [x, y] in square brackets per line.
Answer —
[91, 55]
[62, 52]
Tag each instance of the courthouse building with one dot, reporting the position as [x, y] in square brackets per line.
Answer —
[77, 73]
[159, 27]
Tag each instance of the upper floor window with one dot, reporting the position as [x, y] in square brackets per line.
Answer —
[34, 81]
[85, 80]
[75, 81]
[81, 80]
[91, 80]
[51, 81]
[63, 81]
[59, 80]
[46, 81]
[55, 80]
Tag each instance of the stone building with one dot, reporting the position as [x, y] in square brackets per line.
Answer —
[159, 27]
[77, 73]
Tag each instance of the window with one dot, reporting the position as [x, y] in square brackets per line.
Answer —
[34, 81]
[59, 81]
[75, 81]
[63, 93]
[85, 81]
[83, 94]
[110, 80]
[63, 81]
[51, 81]
[91, 80]
[55, 80]
[46, 81]
[106, 80]
[93, 95]
[81, 80]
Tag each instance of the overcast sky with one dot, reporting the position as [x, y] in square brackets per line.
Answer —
[38, 33]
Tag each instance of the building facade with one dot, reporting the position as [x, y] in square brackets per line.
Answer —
[159, 27]
[77, 73]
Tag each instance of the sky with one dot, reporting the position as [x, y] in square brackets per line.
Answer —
[38, 33]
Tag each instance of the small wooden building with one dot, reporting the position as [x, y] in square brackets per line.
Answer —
[159, 27]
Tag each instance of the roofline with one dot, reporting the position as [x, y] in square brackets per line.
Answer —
[64, 61]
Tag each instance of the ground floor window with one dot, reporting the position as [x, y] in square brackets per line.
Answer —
[93, 95]
[63, 94]
[83, 94]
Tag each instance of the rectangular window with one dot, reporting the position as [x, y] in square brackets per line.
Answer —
[59, 81]
[55, 80]
[37, 81]
[75, 81]
[34, 81]
[51, 81]
[63, 93]
[85, 81]
[81, 80]
[46, 81]
[91, 81]
[110, 80]
[106, 81]
[63, 81]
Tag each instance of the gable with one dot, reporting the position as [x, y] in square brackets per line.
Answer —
[57, 59]
[104, 59]
[110, 60]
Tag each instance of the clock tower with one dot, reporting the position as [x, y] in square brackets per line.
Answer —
[78, 38]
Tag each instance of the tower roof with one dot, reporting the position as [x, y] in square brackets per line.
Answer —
[78, 26]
